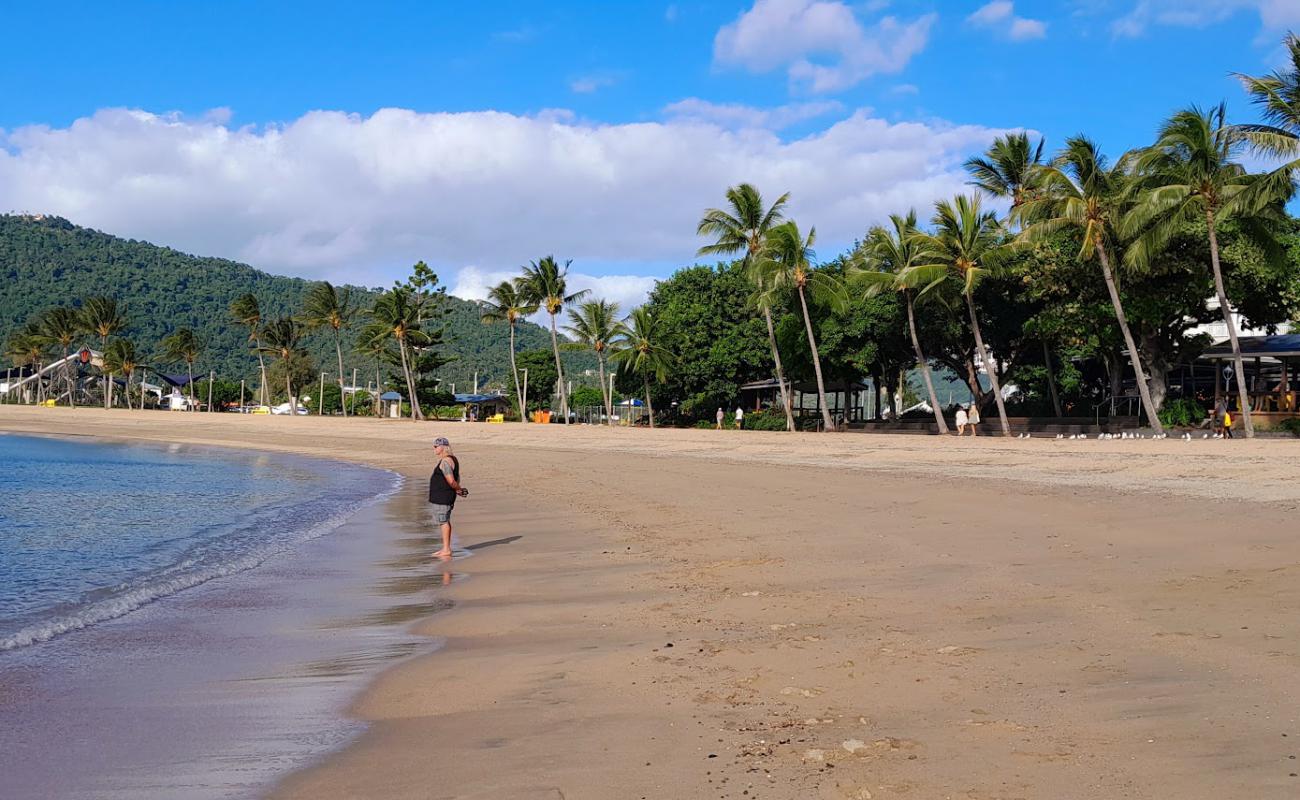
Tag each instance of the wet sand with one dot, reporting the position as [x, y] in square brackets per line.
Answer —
[682, 614]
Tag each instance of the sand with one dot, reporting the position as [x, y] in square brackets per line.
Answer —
[703, 614]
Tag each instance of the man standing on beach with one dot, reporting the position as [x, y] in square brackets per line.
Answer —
[740, 418]
[720, 416]
[444, 488]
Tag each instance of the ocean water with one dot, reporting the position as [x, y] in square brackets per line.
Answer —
[92, 531]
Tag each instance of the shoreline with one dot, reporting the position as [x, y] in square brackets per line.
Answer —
[680, 614]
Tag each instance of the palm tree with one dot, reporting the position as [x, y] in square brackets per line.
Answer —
[1191, 176]
[896, 260]
[326, 306]
[120, 356]
[785, 262]
[595, 324]
[1007, 168]
[282, 339]
[61, 326]
[101, 316]
[27, 347]
[246, 311]
[184, 345]
[397, 318]
[1278, 97]
[545, 283]
[966, 243]
[639, 350]
[744, 227]
[507, 302]
[1079, 191]
[373, 341]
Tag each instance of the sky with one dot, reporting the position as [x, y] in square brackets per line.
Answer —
[346, 141]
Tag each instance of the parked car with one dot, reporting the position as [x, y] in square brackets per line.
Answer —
[283, 408]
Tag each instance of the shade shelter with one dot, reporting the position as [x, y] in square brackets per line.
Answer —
[847, 399]
[487, 404]
[1272, 368]
[390, 405]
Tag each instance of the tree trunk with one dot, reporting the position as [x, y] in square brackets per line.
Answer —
[189, 387]
[1243, 398]
[605, 393]
[514, 371]
[648, 405]
[416, 413]
[1152, 418]
[108, 391]
[379, 389]
[338, 350]
[1051, 381]
[288, 389]
[786, 399]
[67, 371]
[925, 368]
[817, 364]
[559, 370]
[263, 391]
[989, 367]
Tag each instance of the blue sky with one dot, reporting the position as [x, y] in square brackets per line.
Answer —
[198, 124]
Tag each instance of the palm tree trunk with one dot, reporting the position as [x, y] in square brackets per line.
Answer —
[67, 371]
[129, 375]
[649, 406]
[925, 368]
[1051, 380]
[378, 404]
[559, 370]
[410, 384]
[108, 384]
[514, 372]
[338, 350]
[288, 388]
[780, 372]
[1243, 399]
[817, 363]
[1143, 390]
[604, 387]
[263, 391]
[988, 365]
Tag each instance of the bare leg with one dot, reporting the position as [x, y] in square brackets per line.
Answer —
[445, 552]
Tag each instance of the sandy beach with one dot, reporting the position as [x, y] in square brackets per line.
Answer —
[703, 614]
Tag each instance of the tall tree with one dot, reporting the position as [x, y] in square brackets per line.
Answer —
[1007, 169]
[896, 260]
[184, 345]
[328, 307]
[786, 263]
[375, 343]
[102, 317]
[120, 357]
[595, 324]
[1277, 95]
[1079, 191]
[1191, 174]
[397, 319]
[246, 311]
[27, 347]
[744, 228]
[507, 302]
[967, 243]
[61, 326]
[639, 350]
[545, 283]
[282, 339]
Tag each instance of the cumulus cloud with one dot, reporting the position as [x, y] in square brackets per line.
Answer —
[1274, 15]
[360, 198]
[1000, 16]
[736, 115]
[588, 84]
[822, 44]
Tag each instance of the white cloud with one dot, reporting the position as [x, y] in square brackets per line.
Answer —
[1274, 15]
[360, 198]
[902, 89]
[629, 291]
[1000, 16]
[736, 115]
[822, 44]
[588, 84]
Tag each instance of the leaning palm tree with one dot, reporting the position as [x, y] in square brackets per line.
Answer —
[785, 263]
[61, 326]
[966, 243]
[26, 347]
[373, 342]
[744, 227]
[507, 302]
[1278, 97]
[1007, 168]
[282, 339]
[328, 307]
[120, 357]
[246, 311]
[545, 283]
[184, 345]
[397, 319]
[896, 260]
[1191, 175]
[639, 350]
[595, 324]
[1079, 191]
[101, 316]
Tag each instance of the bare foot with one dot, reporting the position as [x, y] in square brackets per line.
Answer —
[445, 555]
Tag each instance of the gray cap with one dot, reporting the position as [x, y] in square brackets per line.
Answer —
[441, 441]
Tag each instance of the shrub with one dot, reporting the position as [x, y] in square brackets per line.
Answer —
[765, 420]
[703, 424]
[1182, 412]
[1291, 426]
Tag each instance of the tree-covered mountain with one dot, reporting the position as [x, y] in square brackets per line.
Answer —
[48, 261]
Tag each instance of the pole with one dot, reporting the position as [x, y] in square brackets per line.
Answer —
[211, 376]
[320, 400]
[241, 395]
[524, 410]
[475, 381]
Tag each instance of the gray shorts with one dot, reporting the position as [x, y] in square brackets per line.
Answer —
[441, 514]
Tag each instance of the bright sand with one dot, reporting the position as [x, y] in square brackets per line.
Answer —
[850, 616]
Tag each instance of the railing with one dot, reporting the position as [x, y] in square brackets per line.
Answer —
[1116, 402]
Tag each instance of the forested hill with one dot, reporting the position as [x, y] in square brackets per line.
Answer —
[47, 261]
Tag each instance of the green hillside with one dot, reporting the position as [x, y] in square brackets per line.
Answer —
[46, 261]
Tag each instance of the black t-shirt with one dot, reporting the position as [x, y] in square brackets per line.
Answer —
[440, 492]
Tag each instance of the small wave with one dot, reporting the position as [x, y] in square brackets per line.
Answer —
[157, 586]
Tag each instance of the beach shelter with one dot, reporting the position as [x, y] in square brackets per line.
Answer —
[390, 404]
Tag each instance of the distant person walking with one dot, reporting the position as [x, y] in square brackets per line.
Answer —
[740, 418]
[974, 418]
[721, 416]
[444, 488]
[963, 419]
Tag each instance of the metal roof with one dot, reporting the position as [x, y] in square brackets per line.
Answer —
[1279, 345]
[478, 398]
[387, 396]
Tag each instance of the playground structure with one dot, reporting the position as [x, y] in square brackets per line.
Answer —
[78, 379]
